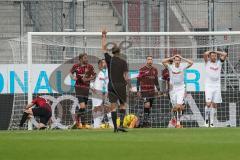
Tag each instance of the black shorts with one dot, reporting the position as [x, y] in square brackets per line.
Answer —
[42, 113]
[148, 97]
[82, 99]
[82, 94]
[117, 92]
[146, 100]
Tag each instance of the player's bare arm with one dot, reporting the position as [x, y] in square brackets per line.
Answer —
[223, 55]
[206, 55]
[157, 84]
[127, 79]
[190, 63]
[29, 106]
[166, 61]
[104, 41]
[89, 79]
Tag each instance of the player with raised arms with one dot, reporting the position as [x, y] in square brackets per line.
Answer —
[213, 65]
[176, 84]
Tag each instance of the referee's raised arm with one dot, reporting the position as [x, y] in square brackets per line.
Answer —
[104, 41]
[104, 47]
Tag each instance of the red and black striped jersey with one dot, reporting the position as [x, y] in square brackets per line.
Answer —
[148, 78]
[82, 71]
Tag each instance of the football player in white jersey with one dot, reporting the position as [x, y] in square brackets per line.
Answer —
[177, 85]
[213, 65]
[100, 88]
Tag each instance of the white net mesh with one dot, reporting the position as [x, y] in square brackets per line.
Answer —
[53, 56]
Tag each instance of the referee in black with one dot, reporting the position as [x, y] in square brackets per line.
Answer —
[118, 80]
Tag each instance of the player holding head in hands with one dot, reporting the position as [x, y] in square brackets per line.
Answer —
[176, 84]
[213, 65]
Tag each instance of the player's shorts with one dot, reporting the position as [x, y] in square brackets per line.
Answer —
[82, 94]
[97, 121]
[177, 96]
[42, 113]
[213, 94]
[148, 97]
[97, 102]
[117, 92]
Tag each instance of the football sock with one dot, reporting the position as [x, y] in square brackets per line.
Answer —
[206, 114]
[146, 114]
[82, 115]
[178, 118]
[24, 118]
[122, 115]
[212, 115]
[114, 118]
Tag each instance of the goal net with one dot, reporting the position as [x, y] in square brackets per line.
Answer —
[42, 69]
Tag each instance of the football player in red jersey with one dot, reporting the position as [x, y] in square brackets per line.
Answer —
[146, 82]
[39, 107]
[82, 73]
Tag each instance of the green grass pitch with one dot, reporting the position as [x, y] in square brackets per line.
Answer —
[137, 144]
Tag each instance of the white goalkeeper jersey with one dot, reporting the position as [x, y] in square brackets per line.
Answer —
[213, 74]
[101, 81]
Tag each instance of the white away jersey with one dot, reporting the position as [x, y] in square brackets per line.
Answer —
[101, 81]
[177, 74]
[213, 74]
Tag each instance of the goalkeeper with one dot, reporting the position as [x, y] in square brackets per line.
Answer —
[130, 121]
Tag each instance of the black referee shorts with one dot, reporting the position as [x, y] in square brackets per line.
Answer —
[42, 113]
[82, 94]
[117, 92]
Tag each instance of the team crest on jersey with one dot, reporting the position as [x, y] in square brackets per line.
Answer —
[177, 72]
[215, 69]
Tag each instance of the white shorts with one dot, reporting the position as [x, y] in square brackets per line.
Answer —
[98, 121]
[177, 96]
[213, 94]
[96, 102]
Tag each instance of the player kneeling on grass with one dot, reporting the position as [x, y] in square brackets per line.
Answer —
[100, 87]
[39, 107]
[213, 66]
[130, 121]
[177, 86]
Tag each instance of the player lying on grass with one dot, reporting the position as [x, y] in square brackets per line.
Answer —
[39, 107]
[176, 85]
[213, 65]
[147, 80]
[100, 88]
[130, 121]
